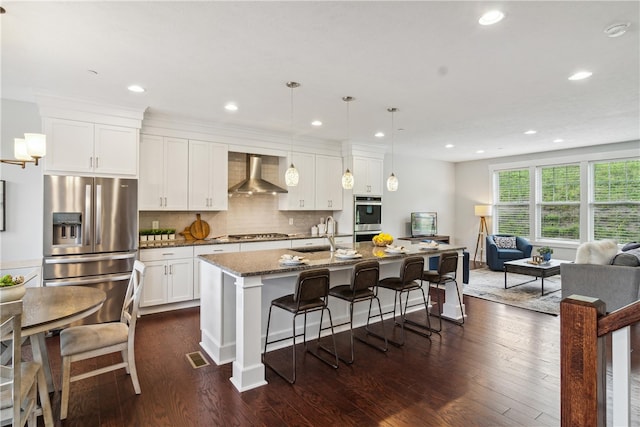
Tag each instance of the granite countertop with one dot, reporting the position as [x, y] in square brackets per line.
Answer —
[225, 240]
[258, 263]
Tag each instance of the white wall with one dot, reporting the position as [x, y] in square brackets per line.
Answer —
[424, 185]
[21, 243]
[473, 186]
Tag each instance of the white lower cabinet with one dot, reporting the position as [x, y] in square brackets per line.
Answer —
[168, 277]
[208, 250]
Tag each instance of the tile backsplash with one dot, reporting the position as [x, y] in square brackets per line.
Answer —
[245, 214]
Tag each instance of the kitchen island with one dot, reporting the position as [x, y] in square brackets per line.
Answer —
[237, 289]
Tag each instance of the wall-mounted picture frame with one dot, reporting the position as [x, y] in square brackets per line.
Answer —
[2, 205]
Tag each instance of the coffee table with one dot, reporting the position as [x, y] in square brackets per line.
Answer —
[525, 266]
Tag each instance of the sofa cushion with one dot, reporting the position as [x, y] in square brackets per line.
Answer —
[629, 246]
[598, 252]
[504, 242]
[510, 254]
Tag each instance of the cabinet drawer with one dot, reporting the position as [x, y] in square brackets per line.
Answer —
[166, 253]
[216, 249]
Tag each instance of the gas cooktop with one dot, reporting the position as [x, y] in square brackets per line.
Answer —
[258, 236]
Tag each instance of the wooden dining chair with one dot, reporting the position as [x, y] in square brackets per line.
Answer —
[89, 341]
[21, 383]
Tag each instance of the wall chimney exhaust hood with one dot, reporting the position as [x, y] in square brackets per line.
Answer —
[254, 184]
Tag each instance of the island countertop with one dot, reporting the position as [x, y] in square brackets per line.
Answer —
[259, 263]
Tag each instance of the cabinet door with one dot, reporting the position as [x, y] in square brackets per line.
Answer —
[302, 196]
[115, 150]
[180, 282]
[208, 177]
[154, 291]
[375, 169]
[69, 146]
[360, 178]
[328, 183]
[176, 175]
[199, 168]
[151, 180]
[219, 178]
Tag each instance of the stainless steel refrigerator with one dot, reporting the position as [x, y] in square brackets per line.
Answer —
[90, 236]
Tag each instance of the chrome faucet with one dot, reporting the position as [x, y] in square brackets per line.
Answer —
[331, 236]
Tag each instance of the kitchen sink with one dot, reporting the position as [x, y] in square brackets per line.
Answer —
[309, 249]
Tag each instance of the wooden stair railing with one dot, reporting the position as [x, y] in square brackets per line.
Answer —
[583, 326]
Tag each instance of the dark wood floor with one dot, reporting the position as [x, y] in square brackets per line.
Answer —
[500, 369]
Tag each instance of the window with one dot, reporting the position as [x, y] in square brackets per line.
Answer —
[559, 206]
[615, 207]
[512, 204]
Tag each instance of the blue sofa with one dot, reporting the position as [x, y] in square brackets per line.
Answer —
[497, 256]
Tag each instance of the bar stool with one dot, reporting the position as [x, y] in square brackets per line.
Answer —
[363, 287]
[447, 270]
[409, 280]
[311, 294]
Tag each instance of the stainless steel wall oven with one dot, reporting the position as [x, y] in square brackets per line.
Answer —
[367, 217]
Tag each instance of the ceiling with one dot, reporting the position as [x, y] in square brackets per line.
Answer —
[452, 80]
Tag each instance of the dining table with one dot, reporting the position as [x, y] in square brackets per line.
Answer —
[50, 308]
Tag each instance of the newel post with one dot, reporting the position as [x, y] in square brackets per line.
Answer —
[582, 359]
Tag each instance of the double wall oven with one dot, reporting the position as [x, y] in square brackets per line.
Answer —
[367, 217]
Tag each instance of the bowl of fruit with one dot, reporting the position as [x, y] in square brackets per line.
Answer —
[382, 239]
[11, 288]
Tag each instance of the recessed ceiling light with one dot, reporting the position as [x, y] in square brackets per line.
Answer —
[231, 107]
[581, 75]
[491, 17]
[449, 146]
[531, 132]
[379, 134]
[479, 151]
[136, 88]
[616, 30]
[558, 140]
[316, 123]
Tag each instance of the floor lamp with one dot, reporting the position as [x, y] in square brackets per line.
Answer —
[482, 211]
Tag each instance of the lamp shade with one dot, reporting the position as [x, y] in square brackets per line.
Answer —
[20, 150]
[36, 144]
[483, 210]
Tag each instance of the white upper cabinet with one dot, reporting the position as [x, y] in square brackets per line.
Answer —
[301, 197]
[328, 183]
[164, 165]
[90, 149]
[367, 176]
[208, 177]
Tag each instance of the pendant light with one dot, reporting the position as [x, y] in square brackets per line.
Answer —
[347, 177]
[392, 181]
[291, 177]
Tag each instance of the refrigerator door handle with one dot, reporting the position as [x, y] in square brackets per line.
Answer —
[85, 258]
[87, 281]
[87, 213]
[98, 236]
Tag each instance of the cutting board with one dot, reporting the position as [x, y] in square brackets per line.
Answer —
[199, 229]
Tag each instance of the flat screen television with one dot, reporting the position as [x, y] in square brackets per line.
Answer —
[424, 224]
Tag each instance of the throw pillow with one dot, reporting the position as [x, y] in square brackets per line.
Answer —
[504, 242]
[626, 259]
[600, 252]
[629, 246]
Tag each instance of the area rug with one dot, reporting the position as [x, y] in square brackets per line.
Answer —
[489, 285]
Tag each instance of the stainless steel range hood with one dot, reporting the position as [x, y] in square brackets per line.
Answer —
[254, 184]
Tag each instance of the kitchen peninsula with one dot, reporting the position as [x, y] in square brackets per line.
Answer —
[236, 290]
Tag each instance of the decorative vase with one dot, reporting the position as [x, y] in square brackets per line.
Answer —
[546, 257]
[12, 293]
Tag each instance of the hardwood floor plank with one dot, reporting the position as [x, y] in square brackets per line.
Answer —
[500, 369]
